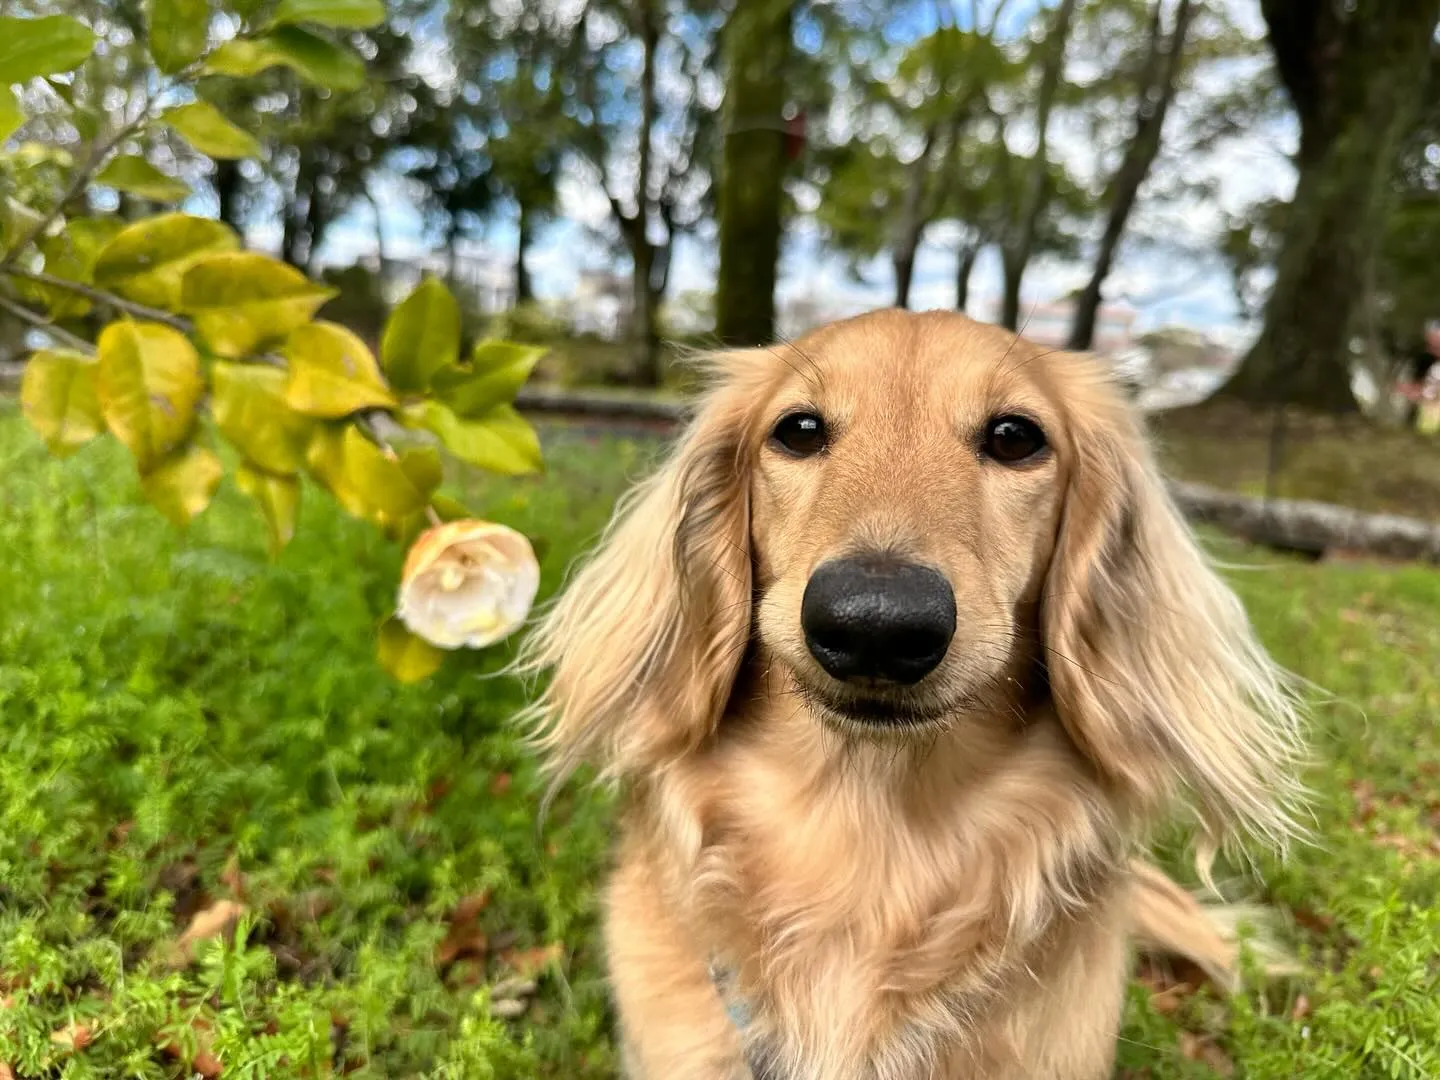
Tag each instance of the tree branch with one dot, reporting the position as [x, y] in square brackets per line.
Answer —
[43, 324]
[78, 184]
[100, 296]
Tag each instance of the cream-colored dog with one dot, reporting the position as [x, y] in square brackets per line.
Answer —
[898, 660]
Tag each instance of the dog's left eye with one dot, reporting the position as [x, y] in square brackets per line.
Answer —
[800, 433]
[1012, 439]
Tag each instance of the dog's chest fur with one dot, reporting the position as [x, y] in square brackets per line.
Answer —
[873, 919]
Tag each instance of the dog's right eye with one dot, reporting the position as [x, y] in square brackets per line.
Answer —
[800, 433]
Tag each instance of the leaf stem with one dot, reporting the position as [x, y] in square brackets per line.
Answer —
[39, 321]
[100, 296]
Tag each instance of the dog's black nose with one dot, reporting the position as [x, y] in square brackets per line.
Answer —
[878, 618]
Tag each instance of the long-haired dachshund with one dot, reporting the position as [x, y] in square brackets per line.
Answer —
[898, 660]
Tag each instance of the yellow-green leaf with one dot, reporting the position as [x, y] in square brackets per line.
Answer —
[60, 401]
[340, 14]
[70, 254]
[311, 57]
[405, 656]
[181, 485]
[364, 479]
[46, 46]
[422, 465]
[178, 30]
[206, 129]
[133, 174]
[381, 482]
[421, 337]
[11, 114]
[497, 369]
[333, 373]
[501, 440]
[448, 509]
[278, 498]
[149, 386]
[17, 221]
[242, 300]
[146, 261]
[250, 410]
[325, 457]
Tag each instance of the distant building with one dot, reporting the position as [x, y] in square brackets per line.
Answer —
[484, 279]
[601, 304]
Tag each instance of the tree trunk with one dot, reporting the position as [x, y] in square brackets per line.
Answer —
[295, 240]
[1021, 242]
[229, 185]
[1012, 273]
[378, 221]
[644, 326]
[1157, 91]
[757, 45]
[319, 223]
[452, 250]
[964, 266]
[1356, 78]
[903, 259]
[523, 291]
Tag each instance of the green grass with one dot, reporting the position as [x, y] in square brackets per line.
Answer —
[185, 723]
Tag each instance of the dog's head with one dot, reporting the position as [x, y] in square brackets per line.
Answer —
[916, 519]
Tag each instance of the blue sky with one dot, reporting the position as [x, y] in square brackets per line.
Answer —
[1164, 289]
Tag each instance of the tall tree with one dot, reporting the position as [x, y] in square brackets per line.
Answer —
[1356, 74]
[648, 141]
[1017, 243]
[758, 51]
[508, 107]
[1157, 85]
[906, 166]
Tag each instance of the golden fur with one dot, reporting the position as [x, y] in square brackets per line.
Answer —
[950, 897]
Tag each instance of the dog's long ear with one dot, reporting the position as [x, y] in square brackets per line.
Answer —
[1154, 668]
[645, 642]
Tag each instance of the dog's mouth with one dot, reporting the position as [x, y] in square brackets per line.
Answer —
[872, 709]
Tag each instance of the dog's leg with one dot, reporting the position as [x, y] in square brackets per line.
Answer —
[672, 1022]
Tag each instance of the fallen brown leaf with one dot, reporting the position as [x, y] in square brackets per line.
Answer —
[233, 879]
[464, 938]
[1203, 1049]
[1301, 1009]
[203, 1063]
[5, 1073]
[73, 1037]
[217, 919]
[1169, 1001]
[500, 785]
[1315, 922]
[469, 909]
[530, 962]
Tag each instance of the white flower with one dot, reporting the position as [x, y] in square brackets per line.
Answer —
[467, 584]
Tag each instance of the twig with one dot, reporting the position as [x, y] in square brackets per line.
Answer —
[39, 321]
[100, 296]
[77, 185]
